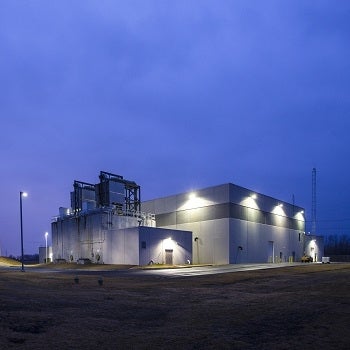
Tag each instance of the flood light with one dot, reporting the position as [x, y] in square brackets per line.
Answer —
[192, 195]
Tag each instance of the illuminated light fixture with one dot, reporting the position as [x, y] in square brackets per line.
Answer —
[280, 205]
[21, 195]
[253, 196]
[302, 212]
[192, 195]
[168, 243]
[46, 234]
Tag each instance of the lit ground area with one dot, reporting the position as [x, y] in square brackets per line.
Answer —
[300, 307]
[8, 262]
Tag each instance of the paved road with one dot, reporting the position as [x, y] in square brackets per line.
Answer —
[166, 273]
[211, 270]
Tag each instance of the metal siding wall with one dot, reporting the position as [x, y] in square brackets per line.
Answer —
[249, 227]
[254, 238]
[238, 238]
[166, 219]
[211, 235]
[131, 246]
[227, 210]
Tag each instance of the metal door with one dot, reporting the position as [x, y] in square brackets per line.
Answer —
[169, 256]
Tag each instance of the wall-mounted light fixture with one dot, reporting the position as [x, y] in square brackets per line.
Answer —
[192, 195]
[168, 243]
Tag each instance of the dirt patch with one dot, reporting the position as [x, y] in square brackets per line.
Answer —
[283, 308]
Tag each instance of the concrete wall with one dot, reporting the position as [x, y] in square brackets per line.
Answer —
[92, 236]
[121, 247]
[103, 238]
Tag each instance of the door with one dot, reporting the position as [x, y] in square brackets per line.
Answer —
[168, 256]
[270, 252]
[313, 254]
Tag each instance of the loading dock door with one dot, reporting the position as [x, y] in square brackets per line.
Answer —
[169, 256]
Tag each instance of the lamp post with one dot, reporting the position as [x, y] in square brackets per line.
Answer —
[46, 234]
[21, 194]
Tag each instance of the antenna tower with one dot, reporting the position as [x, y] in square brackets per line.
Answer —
[313, 204]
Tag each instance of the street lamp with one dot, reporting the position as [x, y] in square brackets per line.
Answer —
[46, 234]
[21, 194]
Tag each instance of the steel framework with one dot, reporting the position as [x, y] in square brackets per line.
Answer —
[77, 195]
[131, 190]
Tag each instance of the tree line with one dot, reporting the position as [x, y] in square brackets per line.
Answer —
[337, 245]
[33, 258]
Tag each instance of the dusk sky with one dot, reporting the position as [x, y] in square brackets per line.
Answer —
[176, 96]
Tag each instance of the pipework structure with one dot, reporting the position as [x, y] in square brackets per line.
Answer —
[83, 193]
[112, 190]
[105, 224]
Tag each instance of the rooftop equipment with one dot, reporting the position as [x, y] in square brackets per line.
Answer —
[83, 196]
[115, 190]
[112, 191]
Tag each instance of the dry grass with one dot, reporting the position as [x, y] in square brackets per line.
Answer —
[289, 308]
[75, 266]
[4, 261]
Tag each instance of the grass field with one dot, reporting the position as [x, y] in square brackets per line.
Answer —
[303, 307]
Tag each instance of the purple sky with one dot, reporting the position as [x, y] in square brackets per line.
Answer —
[175, 95]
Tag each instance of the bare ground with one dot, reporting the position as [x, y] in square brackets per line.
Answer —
[303, 307]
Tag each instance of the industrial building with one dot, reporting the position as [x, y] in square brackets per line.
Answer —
[314, 247]
[224, 224]
[45, 254]
[232, 224]
[105, 224]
